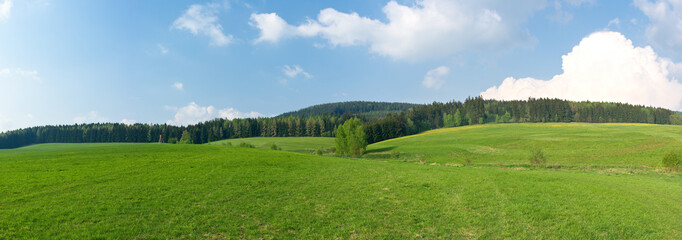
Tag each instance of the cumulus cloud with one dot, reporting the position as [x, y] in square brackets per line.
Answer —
[272, 27]
[294, 71]
[201, 19]
[425, 29]
[90, 117]
[231, 113]
[193, 113]
[605, 66]
[178, 86]
[5, 8]
[434, 78]
[665, 29]
[128, 121]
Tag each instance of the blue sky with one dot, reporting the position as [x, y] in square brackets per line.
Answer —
[180, 62]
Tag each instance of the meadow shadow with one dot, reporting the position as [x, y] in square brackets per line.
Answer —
[378, 150]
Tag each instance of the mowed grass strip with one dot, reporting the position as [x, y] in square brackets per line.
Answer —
[564, 144]
[203, 191]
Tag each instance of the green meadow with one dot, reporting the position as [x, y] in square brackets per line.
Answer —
[290, 144]
[564, 144]
[216, 191]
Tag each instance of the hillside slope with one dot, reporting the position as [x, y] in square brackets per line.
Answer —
[204, 191]
[564, 144]
[368, 109]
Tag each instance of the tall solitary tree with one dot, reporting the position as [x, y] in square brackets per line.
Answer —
[350, 138]
[186, 138]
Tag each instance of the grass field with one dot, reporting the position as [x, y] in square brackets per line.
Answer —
[143, 191]
[564, 144]
[290, 144]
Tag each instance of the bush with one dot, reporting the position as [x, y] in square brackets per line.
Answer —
[350, 138]
[318, 152]
[395, 155]
[537, 157]
[186, 138]
[274, 147]
[673, 160]
[172, 140]
[246, 145]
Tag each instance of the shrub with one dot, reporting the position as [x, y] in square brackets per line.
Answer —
[274, 147]
[537, 157]
[318, 152]
[246, 145]
[673, 160]
[172, 140]
[186, 138]
[395, 155]
[350, 138]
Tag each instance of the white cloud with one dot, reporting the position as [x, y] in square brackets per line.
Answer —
[19, 74]
[128, 121]
[5, 8]
[434, 78]
[425, 29]
[665, 30]
[294, 71]
[604, 66]
[178, 86]
[193, 113]
[614, 22]
[231, 113]
[162, 49]
[201, 19]
[90, 117]
[272, 27]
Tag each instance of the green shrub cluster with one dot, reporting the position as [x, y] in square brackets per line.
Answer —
[246, 145]
[673, 160]
[537, 157]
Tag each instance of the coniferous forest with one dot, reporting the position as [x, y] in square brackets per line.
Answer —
[412, 120]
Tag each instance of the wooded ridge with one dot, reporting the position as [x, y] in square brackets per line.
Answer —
[322, 120]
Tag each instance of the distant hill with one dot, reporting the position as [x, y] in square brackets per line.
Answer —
[365, 108]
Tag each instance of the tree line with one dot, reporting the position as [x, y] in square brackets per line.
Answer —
[476, 110]
[213, 130]
[416, 119]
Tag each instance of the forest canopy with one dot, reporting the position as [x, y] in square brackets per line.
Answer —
[324, 121]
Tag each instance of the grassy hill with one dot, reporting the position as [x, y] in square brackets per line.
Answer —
[216, 191]
[564, 144]
[373, 110]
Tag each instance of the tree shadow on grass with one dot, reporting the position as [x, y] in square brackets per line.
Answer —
[378, 150]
